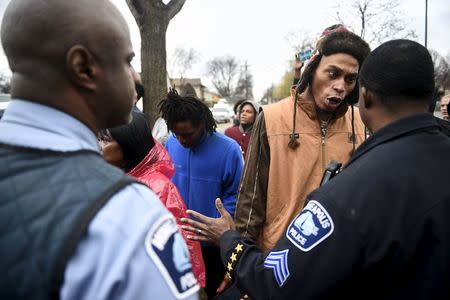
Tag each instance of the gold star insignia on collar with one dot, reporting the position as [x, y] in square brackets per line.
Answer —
[239, 248]
[229, 275]
[233, 257]
[229, 266]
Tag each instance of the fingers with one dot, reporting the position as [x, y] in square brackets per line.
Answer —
[221, 208]
[193, 224]
[192, 229]
[198, 233]
[198, 215]
[225, 214]
[198, 238]
[226, 282]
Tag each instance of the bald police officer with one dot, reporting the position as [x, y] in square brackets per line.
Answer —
[72, 226]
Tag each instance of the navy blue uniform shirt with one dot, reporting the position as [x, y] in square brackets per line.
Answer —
[378, 230]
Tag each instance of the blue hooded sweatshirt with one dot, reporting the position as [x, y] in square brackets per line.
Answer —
[211, 169]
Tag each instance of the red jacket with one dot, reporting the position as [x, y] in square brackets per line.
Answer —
[242, 138]
[155, 170]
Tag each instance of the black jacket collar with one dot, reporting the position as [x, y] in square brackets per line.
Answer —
[396, 129]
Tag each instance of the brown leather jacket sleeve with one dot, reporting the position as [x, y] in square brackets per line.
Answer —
[252, 196]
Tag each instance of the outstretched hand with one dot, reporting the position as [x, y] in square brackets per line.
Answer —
[208, 229]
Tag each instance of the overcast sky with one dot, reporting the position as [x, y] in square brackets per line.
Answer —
[255, 31]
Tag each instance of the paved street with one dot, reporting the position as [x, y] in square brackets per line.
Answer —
[222, 126]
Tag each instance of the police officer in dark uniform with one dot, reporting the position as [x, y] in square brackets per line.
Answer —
[378, 230]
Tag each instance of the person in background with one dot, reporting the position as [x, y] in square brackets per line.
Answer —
[236, 105]
[160, 131]
[445, 121]
[139, 88]
[444, 124]
[448, 105]
[73, 226]
[445, 100]
[247, 112]
[208, 165]
[388, 239]
[294, 139]
[132, 148]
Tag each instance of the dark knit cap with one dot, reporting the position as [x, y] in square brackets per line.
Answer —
[336, 42]
[345, 42]
[399, 68]
[135, 139]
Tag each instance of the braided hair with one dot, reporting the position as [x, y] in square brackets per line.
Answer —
[175, 108]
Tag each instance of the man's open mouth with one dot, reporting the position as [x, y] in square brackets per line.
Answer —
[333, 101]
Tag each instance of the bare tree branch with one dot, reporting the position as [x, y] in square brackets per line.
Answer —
[441, 70]
[158, 4]
[300, 40]
[244, 87]
[173, 7]
[339, 18]
[362, 8]
[136, 9]
[223, 71]
[375, 20]
[182, 61]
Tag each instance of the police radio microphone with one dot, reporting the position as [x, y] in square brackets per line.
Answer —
[333, 168]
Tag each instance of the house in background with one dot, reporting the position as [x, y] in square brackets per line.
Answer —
[187, 85]
[194, 86]
[211, 98]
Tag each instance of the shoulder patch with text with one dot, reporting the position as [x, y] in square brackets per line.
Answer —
[310, 227]
[165, 245]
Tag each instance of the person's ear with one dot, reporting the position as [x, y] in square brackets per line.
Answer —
[366, 98]
[113, 154]
[82, 67]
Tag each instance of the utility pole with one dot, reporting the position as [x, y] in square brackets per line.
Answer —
[246, 80]
[426, 23]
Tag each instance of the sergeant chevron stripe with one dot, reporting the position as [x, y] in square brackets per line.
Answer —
[278, 262]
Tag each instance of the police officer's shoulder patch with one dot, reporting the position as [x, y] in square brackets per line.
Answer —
[310, 227]
[166, 247]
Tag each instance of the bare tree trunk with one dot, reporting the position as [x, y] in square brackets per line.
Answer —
[153, 17]
[153, 62]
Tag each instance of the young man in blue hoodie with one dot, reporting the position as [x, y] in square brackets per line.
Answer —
[208, 165]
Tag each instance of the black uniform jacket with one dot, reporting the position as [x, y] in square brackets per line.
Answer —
[378, 230]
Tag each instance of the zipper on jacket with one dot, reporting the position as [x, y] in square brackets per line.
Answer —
[189, 177]
[323, 132]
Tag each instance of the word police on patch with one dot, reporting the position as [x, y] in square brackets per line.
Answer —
[310, 227]
[166, 247]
